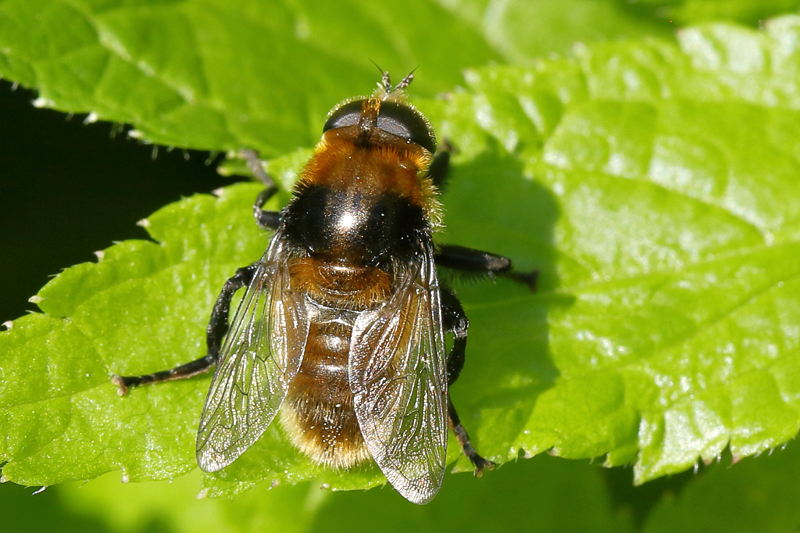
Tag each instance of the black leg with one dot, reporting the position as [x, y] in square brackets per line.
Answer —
[455, 321]
[483, 263]
[440, 164]
[265, 219]
[218, 324]
[477, 460]
[217, 327]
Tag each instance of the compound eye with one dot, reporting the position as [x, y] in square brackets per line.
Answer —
[404, 121]
[347, 115]
[395, 118]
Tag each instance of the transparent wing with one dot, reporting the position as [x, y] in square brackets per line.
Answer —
[397, 372]
[258, 360]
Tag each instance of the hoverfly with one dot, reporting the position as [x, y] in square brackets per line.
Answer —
[341, 331]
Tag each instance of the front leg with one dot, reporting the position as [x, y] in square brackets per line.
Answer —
[265, 219]
[455, 321]
[440, 164]
[483, 263]
[217, 328]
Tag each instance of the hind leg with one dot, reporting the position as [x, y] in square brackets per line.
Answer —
[456, 322]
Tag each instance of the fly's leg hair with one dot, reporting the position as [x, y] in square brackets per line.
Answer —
[483, 264]
[455, 321]
[217, 327]
[265, 219]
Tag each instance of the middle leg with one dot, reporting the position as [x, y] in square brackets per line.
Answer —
[483, 264]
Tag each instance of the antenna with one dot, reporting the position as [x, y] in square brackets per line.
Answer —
[405, 82]
[386, 82]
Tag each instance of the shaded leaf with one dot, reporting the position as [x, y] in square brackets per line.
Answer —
[537, 495]
[756, 495]
[745, 11]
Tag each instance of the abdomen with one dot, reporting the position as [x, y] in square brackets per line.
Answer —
[318, 411]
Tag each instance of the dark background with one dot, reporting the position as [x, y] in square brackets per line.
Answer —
[68, 189]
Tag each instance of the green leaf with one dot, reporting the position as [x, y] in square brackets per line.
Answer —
[177, 72]
[55, 390]
[664, 330]
[647, 180]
